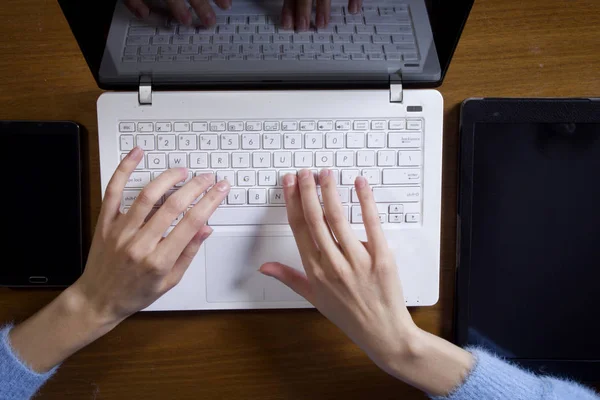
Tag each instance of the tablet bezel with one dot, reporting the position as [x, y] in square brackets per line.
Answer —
[497, 110]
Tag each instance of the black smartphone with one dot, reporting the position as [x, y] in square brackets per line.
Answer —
[40, 205]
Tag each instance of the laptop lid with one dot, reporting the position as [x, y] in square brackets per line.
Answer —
[102, 30]
[528, 227]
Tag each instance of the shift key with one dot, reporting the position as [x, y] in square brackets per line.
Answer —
[393, 194]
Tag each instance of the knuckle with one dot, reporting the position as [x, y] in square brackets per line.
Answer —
[156, 265]
[214, 196]
[384, 262]
[112, 191]
[319, 275]
[196, 218]
[175, 204]
[135, 254]
[122, 167]
[146, 198]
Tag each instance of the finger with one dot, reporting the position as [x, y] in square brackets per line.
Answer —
[223, 4]
[370, 215]
[338, 221]
[114, 189]
[193, 221]
[303, 10]
[290, 277]
[187, 255]
[323, 13]
[178, 202]
[180, 11]
[151, 194]
[287, 14]
[204, 12]
[138, 7]
[354, 6]
[293, 203]
[313, 214]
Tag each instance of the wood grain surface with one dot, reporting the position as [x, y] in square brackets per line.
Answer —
[512, 48]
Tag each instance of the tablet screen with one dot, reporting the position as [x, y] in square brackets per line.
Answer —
[534, 284]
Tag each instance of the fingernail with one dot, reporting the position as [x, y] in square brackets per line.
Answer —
[228, 5]
[289, 180]
[354, 8]
[303, 174]
[185, 18]
[324, 173]
[222, 186]
[135, 152]
[210, 19]
[320, 21]
[361, 182]
[302, 23]
[287, 21]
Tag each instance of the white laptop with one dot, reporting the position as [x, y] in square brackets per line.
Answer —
[251, 102]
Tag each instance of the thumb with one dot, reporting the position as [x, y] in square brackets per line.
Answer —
[290, 277]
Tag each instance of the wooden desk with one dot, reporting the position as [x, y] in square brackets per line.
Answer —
[513, 48]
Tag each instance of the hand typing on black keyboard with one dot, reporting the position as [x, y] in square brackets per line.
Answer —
[296, 14]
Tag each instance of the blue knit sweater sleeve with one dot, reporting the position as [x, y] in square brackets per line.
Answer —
[17, 380]
[493, 378]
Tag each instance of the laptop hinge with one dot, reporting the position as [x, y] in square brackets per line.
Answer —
[396, 87]
[145, 90]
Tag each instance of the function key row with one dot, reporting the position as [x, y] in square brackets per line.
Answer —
[272, 126]
[272, 141]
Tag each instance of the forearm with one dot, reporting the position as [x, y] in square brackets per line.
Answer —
[57, 331]
[430, 363]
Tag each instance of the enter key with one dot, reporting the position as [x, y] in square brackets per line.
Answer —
[401, 176]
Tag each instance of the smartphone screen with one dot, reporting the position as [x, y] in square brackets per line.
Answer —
[41, 204]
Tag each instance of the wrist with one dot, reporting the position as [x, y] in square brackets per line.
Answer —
[60, 329]
[429, 362]
[91, 321]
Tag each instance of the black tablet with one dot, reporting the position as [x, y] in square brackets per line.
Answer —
[528, 273]
[41, 244]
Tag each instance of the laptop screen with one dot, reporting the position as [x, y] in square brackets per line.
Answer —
[249, 44]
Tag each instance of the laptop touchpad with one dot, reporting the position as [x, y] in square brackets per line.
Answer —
[232, 268]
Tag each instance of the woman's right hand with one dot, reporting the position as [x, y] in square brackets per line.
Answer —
[352, 283]
[356, 285]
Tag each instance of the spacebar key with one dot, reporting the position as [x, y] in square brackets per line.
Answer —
[249, 216]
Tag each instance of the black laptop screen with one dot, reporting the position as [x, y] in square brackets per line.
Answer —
[368, 48]
[535, 245]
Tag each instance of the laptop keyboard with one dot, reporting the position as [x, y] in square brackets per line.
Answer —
[255, 155]
[375, 34]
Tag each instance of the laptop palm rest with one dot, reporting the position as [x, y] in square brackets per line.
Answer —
[232, 276]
